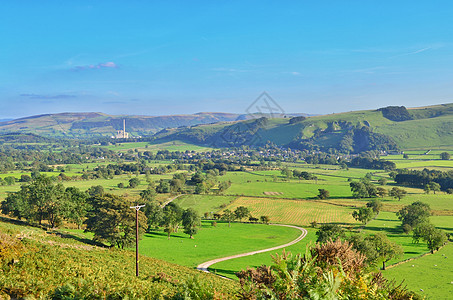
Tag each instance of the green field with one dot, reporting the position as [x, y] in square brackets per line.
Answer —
[204, 203]
[228, 268]
[214, 242]
[431, 273]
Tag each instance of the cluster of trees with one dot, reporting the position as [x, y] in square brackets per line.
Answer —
[415, 218]
[41, 200]
[425, 177]
[376, 248]
[171, 217]
[368, 212]
[372, 163]
[395, 113]
[240, 213]
[365, 189]
[287, 173]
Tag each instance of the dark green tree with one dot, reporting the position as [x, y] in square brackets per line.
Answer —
[363, 214]
[385, 249]
[445, 156]
[397, 193]
[229, 216]
[134, 182]
[376, 205]
[172, 218]
[323, 194]
[112, 220]
[241, 212]
[414, 214]
[154, 213]
[77, 205]
[96, 190]
[330, 232]
[190, 221]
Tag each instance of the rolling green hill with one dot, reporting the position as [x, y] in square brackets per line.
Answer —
[99, 124]
[95, 124]
[384, 129]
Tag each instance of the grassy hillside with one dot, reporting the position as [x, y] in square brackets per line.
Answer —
[352, 131]
[99, 124]
[35, 263]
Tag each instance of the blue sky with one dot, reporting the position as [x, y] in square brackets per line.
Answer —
[173, 57]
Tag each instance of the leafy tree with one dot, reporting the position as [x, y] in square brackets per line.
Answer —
[134, 182]
[376, 205]
[97, 190]
[78, 205]
[323, 194]
[113, 221]
[265, 219]
[177, 186]
[229, 216]
[154, 213]
[197, 178]
[25, 178]
[190, 220]
[433, 237]
[364, 245]
[434, 186]
[445, 156]
[397, 193]
[381, 192]
[363, 189]
[382, 181]
[363, 214]
[427, 188]
[163, 187]
[330, 232]
[147, 195]
[241, 212]
[414, 214]
[385, 249]
[9, 180]
[172, 218]
[16, 205]
[37, 201]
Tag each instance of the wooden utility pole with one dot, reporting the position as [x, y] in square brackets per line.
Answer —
[137, 208]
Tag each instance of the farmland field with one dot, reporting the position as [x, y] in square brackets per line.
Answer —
[295, 212]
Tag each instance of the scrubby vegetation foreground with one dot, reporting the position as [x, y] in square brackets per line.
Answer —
[52, 265]
[46, 265]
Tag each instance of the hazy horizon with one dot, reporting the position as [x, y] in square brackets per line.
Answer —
[178, 57]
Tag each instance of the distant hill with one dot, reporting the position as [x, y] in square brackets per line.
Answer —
[383, 129]
[90, 124]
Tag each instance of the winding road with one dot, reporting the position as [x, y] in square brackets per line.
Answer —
[204, 266]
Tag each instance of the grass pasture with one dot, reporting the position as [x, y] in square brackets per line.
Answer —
[204, 203]
[248, 184]
[228, 268]
[296, 212]
[432, 273]
[214, 242]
